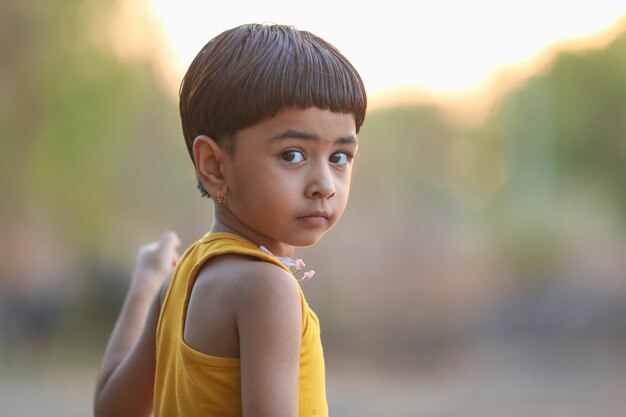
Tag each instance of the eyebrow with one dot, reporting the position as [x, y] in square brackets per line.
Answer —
[300, 134]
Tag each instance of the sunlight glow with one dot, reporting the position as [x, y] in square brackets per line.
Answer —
[445, 47]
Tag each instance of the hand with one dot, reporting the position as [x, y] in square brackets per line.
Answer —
[155, 261]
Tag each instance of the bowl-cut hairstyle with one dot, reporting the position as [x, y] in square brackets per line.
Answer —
[251, 72]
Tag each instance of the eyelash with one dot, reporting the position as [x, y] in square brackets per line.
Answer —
[349, 156]
[291, 151]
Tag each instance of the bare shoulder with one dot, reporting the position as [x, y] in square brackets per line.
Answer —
[264, 282]
[258, 291]
[232, 293]
[246, 308]
[245, 276]
[269, 322]
[268, 311]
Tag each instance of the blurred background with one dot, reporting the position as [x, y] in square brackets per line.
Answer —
[479, 270]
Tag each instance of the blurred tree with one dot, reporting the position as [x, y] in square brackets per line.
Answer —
[564, 133]
[75, 118]
[590, 118]
[87, 140]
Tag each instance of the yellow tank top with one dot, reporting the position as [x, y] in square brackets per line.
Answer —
[190, 383]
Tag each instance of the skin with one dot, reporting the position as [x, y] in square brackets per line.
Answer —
[124, 384]
[287, 182]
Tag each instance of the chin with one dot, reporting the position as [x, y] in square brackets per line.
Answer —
[304, 241]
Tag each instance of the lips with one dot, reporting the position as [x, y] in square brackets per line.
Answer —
[316, 218]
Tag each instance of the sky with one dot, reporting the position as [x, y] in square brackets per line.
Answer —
[444, 47]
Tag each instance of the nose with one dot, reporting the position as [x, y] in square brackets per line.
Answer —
[321, 183]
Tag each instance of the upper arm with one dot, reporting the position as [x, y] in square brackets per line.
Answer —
[269, 322]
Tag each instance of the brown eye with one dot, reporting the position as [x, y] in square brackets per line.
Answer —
[339, 158]
[292, 156]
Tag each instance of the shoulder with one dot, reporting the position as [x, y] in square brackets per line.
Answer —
[262, 299]
[257, 277]
[269, 326]
[250, 282]
[231, 296]
[247, 273]
[261, 292]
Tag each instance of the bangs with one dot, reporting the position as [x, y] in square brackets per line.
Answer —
[299, 73]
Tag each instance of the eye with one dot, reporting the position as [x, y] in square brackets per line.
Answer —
[292, 156]
[340, 158]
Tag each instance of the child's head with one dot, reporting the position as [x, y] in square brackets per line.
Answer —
[250, 73]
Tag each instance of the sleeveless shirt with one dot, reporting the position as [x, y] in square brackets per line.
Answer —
[190, 383]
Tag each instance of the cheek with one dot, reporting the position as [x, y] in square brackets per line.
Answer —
[262, 194]
[342, 184]
[343, 191]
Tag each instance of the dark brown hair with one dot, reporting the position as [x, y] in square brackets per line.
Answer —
[251, 72]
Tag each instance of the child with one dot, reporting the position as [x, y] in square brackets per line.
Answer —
[270, 116]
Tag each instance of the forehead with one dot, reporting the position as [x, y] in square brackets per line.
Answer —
[310, 123]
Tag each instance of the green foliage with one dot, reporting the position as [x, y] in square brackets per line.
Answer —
[559, 137]
[565, 133]
[405, 152]
[590, 117]
[76, 112]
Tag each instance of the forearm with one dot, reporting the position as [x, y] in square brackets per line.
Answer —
[125, 383]
[126, 332]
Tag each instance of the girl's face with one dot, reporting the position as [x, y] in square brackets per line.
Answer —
[288, 177]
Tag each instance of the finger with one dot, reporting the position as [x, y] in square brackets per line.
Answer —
[169, 241]
[167, 247]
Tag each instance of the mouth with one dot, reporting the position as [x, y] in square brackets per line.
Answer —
[315, 219]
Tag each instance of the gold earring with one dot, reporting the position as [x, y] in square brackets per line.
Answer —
[221, 199]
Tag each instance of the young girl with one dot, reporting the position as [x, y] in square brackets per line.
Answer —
[270, 116]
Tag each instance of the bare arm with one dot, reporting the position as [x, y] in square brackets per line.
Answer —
[269, 319]
[125, 383]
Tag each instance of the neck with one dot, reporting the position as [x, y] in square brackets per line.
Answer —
[226, 222]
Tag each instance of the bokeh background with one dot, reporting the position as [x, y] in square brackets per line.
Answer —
[480, 269]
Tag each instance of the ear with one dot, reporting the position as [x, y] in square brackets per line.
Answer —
[208, 158]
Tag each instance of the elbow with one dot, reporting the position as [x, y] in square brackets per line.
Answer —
[99, 407]
[104, 408]
[119, 406]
